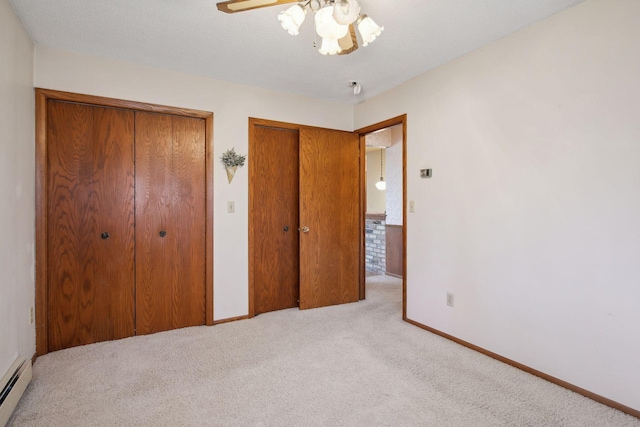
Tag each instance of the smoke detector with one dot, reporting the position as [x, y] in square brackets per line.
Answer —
[357, 87]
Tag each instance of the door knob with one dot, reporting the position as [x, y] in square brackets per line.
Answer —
[105, 235]
[163, 233]
[305, 229]
[286, 228]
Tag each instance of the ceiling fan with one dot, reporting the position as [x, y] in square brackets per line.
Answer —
[335, 21]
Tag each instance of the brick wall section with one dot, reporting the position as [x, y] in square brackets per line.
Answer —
[375, 255]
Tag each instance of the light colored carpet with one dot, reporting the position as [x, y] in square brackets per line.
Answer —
[351, 365]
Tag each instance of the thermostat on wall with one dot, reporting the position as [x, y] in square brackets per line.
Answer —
[425, 173]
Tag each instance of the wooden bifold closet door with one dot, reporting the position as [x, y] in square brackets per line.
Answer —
[91, 224]
[170, 222]
[126, 221]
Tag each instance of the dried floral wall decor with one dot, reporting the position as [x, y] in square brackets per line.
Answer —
[231, 161]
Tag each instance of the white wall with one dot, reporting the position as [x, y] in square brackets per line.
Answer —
[532, 217]
[393, 169]
[232, 105]
[376, 199]
[17, 177]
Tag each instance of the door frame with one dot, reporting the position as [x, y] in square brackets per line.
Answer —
[41, 197]
[362, 132]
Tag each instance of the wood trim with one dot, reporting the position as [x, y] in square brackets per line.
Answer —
[285, 125]
[42, 343]
[274, 124]
[376, 216]
[393, 250]
[33, 358]
[363, 212]
[402, 119]
[404, 216]
[224, 6]
[252, 176]
[120, 103]
[230, 319]
[586, 393]
[209, 221]
[42, 96]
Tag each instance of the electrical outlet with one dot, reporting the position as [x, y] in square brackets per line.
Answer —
[231, 207]
[449, 299]
[31, 316]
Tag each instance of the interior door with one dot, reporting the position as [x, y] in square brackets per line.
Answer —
[274, 219]
[170, 222]
[329, 217]
[90, 237]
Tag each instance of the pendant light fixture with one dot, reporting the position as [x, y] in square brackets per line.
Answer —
[292, 18]
[381, 185]
[335, 20]
[329, 30]
[369, 30]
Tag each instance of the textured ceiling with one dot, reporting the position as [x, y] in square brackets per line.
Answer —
[250, 47]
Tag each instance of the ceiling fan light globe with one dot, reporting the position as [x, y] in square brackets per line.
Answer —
[369, 30]
[315, 5]
[345, 12]
[330, 47]
[292, 18]
[327, 27]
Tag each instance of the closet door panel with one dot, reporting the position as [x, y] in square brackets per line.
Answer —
[189, 214]
[90, 282]
[154, 253]
[114, 203]
[71, 227]
[170, 222]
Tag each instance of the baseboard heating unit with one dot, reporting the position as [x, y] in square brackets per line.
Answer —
[13, 384]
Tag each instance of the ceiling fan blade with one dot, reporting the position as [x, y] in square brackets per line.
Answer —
[348, 43]
[233, 6]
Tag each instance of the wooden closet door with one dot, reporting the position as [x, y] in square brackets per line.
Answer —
[274, 219]
[90, 239]
[170, 222]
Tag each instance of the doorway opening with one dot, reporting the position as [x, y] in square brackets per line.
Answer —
[384, 234]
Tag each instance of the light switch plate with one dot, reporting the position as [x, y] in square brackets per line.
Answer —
[231, 207]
